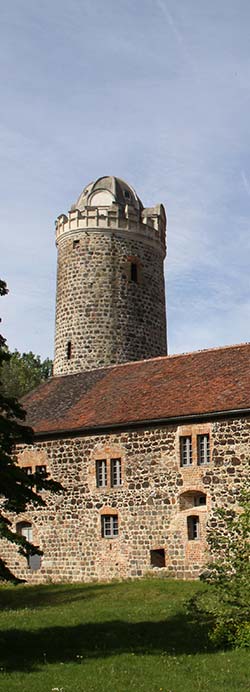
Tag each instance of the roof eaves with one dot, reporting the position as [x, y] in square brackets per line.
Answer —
[148, 422]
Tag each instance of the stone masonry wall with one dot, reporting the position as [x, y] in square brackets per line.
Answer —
[107, 317]
[152, 504]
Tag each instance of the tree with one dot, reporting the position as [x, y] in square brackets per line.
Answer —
[225, 605]
[23, 372]
[17, 488]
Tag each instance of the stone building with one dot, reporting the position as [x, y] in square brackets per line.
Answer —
[145, 445]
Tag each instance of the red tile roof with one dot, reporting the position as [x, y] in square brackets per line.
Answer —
[192, 384]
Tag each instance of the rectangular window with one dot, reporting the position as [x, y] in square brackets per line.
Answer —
[41, 469]
[101, 473]
[27, 469]
[109, 525]
[186, 450]
[134, 272]
[203, 449]
[116, 472]
[193, 528]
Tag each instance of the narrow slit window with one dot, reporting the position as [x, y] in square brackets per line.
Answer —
[186, 450]
[193, 528]
[116, 472]
[101, 473]
[203, 449]
[134, 272]
[69, 350]
[109, 525]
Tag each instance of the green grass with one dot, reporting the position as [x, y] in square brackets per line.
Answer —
[115, 637]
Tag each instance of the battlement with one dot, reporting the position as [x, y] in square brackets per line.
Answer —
[149, 223]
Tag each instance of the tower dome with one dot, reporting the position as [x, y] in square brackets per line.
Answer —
[106, 191]
[110, 305]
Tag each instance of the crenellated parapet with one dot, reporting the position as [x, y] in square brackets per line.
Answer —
[147, 224]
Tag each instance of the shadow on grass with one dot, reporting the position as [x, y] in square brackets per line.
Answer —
[25, 651]
[20, 597]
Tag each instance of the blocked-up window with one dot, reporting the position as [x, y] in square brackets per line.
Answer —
[193, 528]
[186, 450]
[203, 449]
[116, 472]
[101, 473]
[109, 525]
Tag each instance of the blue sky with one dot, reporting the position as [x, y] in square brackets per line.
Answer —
[155, 92]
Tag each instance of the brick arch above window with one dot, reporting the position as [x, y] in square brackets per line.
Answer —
[107, 468]
[189, 499]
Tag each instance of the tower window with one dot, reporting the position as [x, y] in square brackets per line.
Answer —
[186, 450]
[203, 449]
[101, 473]
[126, 194]
[134, 272]
[193, 528]
[116, 472]
[109, 525]
[76, 243]
[69, 350]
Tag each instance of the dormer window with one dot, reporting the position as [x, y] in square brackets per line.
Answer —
[127, 194]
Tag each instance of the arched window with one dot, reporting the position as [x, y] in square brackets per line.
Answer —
[192, 498]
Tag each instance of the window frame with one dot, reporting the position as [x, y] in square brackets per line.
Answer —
[101, 473]
[193, 527]
[203, 452]
[186, 453]
[109, 522]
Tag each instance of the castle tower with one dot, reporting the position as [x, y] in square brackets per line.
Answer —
[110, 305]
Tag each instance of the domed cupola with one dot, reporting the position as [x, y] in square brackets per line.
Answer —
[106, 191]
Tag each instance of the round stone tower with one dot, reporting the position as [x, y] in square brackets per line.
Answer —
[110, 305]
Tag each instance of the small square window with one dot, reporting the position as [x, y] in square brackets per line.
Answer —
[41, 469]
[203, 449]
[157, 557]
[116, 472]
[109, 525]
[193, 528]
[186, 450]
[27, 470]
[101, 473]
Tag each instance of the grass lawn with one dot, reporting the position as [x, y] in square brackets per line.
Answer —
[110, 638]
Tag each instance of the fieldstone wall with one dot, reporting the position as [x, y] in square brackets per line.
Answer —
[152, 504]
[103, 314]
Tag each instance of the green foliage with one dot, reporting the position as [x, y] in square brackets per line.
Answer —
[23, 372]
[17, 488]
[226, 604]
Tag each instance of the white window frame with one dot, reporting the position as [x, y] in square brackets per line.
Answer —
[115, 472]
[186, 450]
[109, 525]
[101, 473]
[203, 449]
